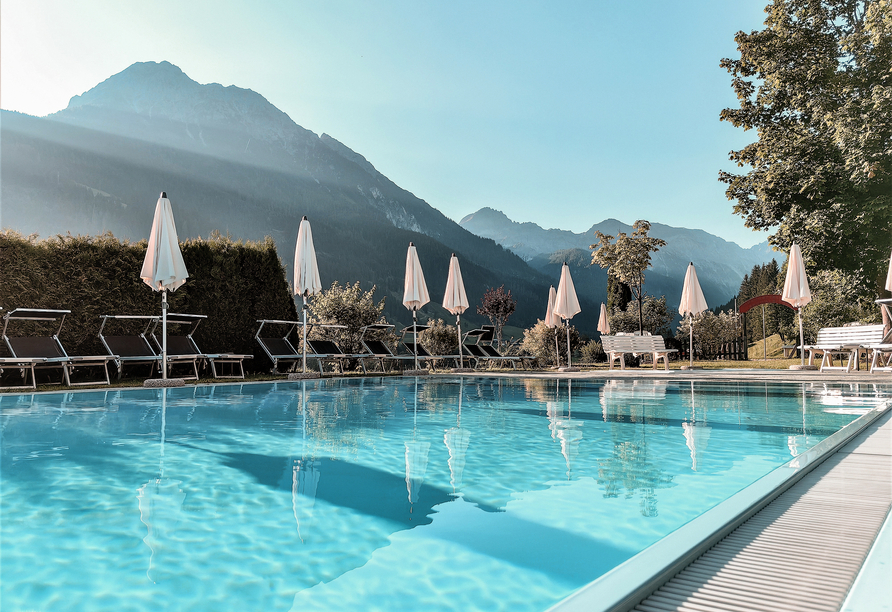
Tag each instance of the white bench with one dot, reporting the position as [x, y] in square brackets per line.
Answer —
[840, 342]
[653, 345]
[616, 347]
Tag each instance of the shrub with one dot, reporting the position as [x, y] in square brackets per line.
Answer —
[349, 306]
[233, 283]
[592, 352]
[539, 341]
[711, 331]
[440, 339]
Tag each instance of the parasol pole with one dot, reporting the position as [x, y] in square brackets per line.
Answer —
[164, 334]
[305, 331]
[415, 337]
[691, 348]
[567, 323]
[801, 337]
[461, 357]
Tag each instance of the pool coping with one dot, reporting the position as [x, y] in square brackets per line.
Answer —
[622, 588]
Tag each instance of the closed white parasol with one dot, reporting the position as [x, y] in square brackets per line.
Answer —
[456, 300]
[415, 293]
[163, 268]
[603, 322]
[306, 274]
[553, 321]
[796, 291]
[566, 305]
[692, 302]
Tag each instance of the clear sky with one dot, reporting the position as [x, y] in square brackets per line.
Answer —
[561, 113]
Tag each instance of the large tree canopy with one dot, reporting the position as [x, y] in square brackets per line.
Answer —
[816, 85]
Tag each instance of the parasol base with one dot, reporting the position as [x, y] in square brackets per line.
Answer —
[158, 383]
[462, 370]
[303, 375]
[803, 367]
[416, 372]
[568, 369]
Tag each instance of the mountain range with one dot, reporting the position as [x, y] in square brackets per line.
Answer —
[720, 264]
[232, 162]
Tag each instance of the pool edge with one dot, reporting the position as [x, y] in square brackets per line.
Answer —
[612, 591]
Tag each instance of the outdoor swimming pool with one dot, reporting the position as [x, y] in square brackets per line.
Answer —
[377, 493]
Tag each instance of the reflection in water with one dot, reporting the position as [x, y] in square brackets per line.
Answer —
[457, 440]
[696, 432]
[305, 472]
[566, 430]
[160, 504]
[628, 466]
[416, 456]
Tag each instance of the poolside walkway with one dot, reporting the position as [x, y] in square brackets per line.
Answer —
[804, 550]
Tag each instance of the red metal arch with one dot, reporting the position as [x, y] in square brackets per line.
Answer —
[763, 299]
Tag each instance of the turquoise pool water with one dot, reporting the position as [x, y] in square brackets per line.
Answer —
[374, 494]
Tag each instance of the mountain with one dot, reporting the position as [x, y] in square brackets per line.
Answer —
[232, 162]
[720, 264]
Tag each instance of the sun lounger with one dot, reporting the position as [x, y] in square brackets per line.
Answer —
[182, 349]
[280, 350]
[19, 367]
[49, 349]
[486, 341]
[378, 349]
[324, 350]
[844, 342]
[130, 349]
[408, 342]
[478, 344]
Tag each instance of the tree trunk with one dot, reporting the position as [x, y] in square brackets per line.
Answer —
[640, 308]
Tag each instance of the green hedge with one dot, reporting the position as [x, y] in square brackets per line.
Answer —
[233, 283]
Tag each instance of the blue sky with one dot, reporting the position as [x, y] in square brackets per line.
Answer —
[559, 113]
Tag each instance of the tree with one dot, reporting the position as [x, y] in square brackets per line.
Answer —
[618, 294]
[497, 305]
[627, 259]
[654, 314]
[816, 86]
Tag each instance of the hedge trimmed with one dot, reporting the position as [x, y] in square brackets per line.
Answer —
[234, 283]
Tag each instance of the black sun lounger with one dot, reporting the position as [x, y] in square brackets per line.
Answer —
[482, 349]
[407, 340]
[280, 350]
[378, 349]
[48, 349]
[132, 349]
[182, 349]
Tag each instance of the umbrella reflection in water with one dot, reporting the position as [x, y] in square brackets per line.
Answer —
[304, 473]
[567, 430]
[696, 433]
[160, 503]
[416, 457]
[457, 440]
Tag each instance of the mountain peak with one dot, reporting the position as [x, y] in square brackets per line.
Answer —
[488, 215]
